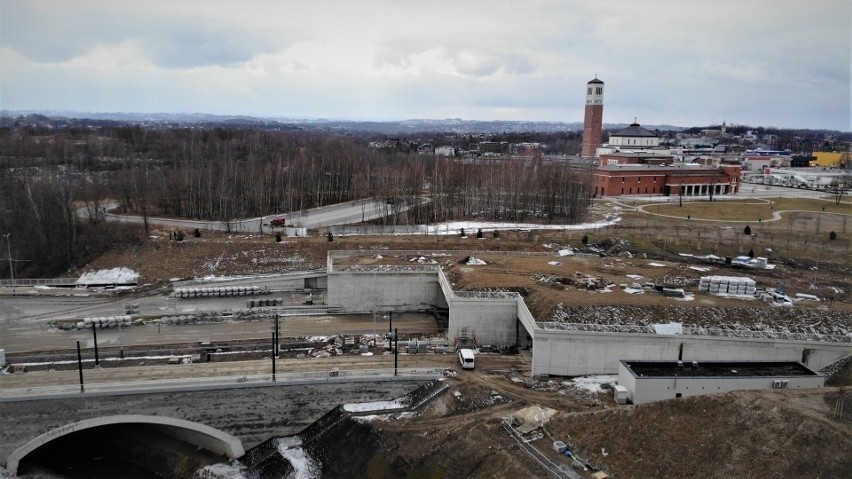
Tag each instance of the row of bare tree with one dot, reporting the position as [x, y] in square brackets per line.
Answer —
[51, 177]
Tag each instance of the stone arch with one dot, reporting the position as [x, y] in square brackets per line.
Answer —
[192, 432]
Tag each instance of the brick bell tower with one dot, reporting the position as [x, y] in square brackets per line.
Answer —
[593, 120]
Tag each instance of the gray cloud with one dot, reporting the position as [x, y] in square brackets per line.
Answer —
[781, 62]
[59, 34]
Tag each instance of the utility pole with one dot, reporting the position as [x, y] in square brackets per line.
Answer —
[395, 350]
[276, 347]
[273, 357]
[80, 367]
[11, 265]
[95, 334]
[120, 344]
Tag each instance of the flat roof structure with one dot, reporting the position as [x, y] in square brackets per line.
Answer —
[648, 381]
[661, 369]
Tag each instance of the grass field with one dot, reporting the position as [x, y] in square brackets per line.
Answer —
[747, 210]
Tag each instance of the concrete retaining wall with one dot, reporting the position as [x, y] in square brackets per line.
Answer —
[491, 321]
[570, 353]
[379, 291]
[502, 321]
[251, 414]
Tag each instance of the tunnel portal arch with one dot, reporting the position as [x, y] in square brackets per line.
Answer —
[192, 432]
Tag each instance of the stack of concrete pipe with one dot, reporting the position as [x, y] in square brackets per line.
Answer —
[218, 292]
[105, 322]
[259, 303]
[724, 285]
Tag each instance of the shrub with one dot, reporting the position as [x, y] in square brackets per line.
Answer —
[747, 230]
[278, 237]
[585, 239]
[196, 233]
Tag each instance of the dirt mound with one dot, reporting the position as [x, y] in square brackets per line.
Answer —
[756, 434]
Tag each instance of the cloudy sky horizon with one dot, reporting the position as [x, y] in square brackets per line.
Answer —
[783, 63]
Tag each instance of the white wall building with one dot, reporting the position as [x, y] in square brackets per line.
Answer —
[448, 151]
[634, 136]
[648, 381]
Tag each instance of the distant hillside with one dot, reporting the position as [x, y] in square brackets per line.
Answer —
[456, 125]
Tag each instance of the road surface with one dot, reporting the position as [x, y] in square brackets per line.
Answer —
[340, 214]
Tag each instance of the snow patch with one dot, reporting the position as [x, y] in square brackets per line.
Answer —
[304, 466]
[222, 471]
[592, 384]
[374, 406]
[475, 262]
[109, 276]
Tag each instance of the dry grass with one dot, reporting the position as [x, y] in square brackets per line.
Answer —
[756, 434]
[750, 210]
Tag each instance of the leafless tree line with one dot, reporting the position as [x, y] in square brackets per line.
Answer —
[50, 176]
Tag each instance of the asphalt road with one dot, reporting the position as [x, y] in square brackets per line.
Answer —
[23, 334]
[344, 213]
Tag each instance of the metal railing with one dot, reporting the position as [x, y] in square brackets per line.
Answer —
[39, 282]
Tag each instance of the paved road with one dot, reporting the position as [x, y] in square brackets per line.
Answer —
[340, 214]
[23, 334]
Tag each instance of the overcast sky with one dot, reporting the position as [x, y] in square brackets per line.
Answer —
[779, 63]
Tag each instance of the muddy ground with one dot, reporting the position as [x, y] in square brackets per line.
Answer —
[759, 434]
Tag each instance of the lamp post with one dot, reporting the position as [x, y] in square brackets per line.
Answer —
[11, 265]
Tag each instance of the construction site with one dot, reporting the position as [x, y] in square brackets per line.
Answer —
[549, 313]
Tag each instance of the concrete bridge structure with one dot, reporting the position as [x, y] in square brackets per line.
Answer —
[226, 420]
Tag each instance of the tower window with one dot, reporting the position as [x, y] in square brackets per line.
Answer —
[590, 90]
[599, 90]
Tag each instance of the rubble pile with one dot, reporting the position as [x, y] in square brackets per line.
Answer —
[812, 321]
[579, 280]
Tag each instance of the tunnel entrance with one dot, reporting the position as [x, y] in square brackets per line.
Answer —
[149, 443]
[133, 451]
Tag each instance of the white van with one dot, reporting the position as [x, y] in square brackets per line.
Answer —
[466, 358]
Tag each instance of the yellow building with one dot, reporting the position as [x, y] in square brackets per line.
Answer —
[829, 159]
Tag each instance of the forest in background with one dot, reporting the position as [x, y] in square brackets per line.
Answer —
[219, 174]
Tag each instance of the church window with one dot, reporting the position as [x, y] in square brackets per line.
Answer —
[599, 90]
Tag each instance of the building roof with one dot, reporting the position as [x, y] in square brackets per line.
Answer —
[645, 154]
[595, 81]
[696, 170]
[717, 368]
[635, 130]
